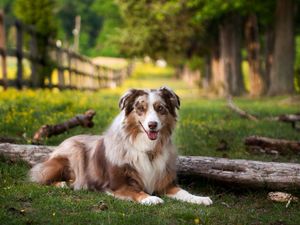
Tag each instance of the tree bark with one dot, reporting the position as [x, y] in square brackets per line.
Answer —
[253, 49]
[230, 46]
[282, 71]
[242, 172]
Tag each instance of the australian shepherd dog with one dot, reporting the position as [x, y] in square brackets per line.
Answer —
[134, 160]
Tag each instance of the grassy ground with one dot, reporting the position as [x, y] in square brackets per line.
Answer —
[204, 123]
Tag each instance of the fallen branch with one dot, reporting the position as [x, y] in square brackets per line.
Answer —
[239, 111]
[84, 120]
[270, 145]
[242, 172]
[288, 118]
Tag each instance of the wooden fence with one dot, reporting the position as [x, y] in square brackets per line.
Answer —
[72, 70]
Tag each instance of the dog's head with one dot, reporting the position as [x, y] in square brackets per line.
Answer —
[152, 112]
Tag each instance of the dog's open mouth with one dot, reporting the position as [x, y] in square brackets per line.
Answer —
[152, 135]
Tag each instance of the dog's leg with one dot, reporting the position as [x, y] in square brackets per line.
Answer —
[126, 193]
[182, 195]
[78, 165]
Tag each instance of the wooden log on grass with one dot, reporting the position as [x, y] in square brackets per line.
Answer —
[269, 145]
[248, 173]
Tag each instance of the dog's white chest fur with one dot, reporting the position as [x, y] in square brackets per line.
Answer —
[135, 154]
[150, 171]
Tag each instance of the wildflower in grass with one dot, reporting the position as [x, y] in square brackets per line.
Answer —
[197, 221]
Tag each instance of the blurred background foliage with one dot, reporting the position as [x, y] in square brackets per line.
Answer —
[185, 33]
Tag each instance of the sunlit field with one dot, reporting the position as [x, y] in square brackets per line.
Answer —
[204, 122]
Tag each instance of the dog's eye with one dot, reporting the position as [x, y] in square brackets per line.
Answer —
[160, 109]
[140, 109]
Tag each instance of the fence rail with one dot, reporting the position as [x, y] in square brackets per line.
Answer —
[73, 71]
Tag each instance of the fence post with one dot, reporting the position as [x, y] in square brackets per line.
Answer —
[19, 54]
[3, 49]
[61, 79]
[70, 67]
[34, 59]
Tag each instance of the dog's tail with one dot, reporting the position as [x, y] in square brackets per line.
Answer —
[49, 171]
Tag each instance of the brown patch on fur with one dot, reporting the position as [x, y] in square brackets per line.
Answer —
[55, 169]
[126, 192]
[172, 100]
[172, 190]
[141, 107]
[132, 126]
[125, 175]
[97, 169]
[128, 101]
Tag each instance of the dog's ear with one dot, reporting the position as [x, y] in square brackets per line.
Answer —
[127, 100]
[172, 100]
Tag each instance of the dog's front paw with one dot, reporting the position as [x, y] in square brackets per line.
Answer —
[200, 200]
[184, 196]
[151, 200]
[79, 186]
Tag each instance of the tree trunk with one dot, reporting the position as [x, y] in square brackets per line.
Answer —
[253, 48]
[269, 55]
[218, 77]
[282, 71]
[242, 172]
[207, 76]
[230, 46]
[3, 50]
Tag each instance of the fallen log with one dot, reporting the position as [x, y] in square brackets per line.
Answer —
[32, 154]
[242, 172]
[269, 145]
[248, 173]
[84, 120]
[293, 119]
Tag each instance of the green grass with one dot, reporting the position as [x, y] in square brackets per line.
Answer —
[203, 123]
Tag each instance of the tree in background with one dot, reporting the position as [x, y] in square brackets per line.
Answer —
[91, 23]
[282, 72]
[204, 34]
[106, 42]
[40, 14]
[100, 21]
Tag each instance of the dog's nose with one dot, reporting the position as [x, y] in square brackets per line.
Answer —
[152, 125]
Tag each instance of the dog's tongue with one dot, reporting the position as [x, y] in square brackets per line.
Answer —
[152, 135]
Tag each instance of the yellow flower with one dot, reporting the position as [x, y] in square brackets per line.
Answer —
[197, 221]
